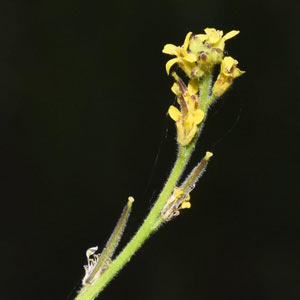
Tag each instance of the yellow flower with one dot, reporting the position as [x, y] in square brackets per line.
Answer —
[215, 37]
[190, 116]
[209, 47]
[228, 73]
[185, 60]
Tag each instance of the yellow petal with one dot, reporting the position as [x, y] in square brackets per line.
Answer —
[221, 85]
[170, 63]
[170, 49]
[227, 64]
[177, 192]
[174, 113]
[230, 34]
[237, 72]
[189, 122]
[187, 198]
[175, 88]
[186, 41]
[214, 35]
[190, 57]
[209, 31]
[198, 116]
[202, 37]
[185, 205]
[180, 134]
[193, 87]
[189, 137]
[196, 43]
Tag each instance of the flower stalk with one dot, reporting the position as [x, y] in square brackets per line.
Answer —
[197, 58]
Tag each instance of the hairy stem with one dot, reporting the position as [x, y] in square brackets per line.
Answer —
[153, 219]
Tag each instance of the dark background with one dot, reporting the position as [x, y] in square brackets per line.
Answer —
[83, 105]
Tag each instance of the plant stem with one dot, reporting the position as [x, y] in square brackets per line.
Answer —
[91, 291]
[153, 220]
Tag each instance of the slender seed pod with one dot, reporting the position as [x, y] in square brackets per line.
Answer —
[100, 262]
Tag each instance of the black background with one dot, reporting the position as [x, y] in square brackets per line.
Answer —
[83, 105]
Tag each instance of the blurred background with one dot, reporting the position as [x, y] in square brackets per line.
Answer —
[83, 123]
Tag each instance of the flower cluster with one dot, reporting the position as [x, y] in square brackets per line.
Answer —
[197, 58]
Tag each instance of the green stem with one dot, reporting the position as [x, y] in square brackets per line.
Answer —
[152, 221]
[91, 291]
[205, 97]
